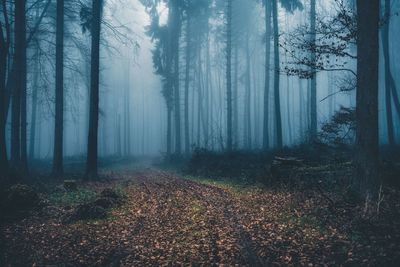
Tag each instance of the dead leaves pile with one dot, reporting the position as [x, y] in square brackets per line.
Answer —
[169, 221]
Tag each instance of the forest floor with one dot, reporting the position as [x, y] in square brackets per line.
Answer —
[170, 219]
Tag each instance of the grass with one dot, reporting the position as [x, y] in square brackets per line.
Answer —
[73, 198]
[241, 187]
[303, 222]
[197, 210]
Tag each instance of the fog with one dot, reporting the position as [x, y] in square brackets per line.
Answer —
[133, 112]
[199, 132]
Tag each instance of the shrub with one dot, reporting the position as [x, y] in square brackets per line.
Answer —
[340, 130]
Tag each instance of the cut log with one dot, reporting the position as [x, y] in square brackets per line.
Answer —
[284, 168]
[289, 161]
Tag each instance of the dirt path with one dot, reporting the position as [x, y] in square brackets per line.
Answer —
[167, 220]
[206, 219]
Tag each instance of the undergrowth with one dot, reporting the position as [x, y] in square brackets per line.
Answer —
[81, 195]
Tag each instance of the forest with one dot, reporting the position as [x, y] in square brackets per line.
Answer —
[199, 132]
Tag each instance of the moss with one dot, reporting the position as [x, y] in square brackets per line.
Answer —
[304, 222]
[73, 198]
[197, 209]
[21, 197]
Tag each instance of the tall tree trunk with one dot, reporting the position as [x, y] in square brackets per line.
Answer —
[12, 68]
[367, 141]
[288, 110]
[256, 105]
[203, 105]
[127, 119]
[169, 86]
[119, 152]
[59, 116]
[330, 93]
[247, 117]
[308, 109]
[192, 115]
[388, 73]
[313, 100]
[32, 138]
[175, 49]
[210, 91]
[169, 129]
[207, 104]
[24, 125]
[91, 164]
[236, 98]
[301, 109]
[187, 82]
[3, 70]
[199, 97]
[278, 116]
[143, 121]
[19, 92]
[229, 74]
[288, 95]
[267, 73]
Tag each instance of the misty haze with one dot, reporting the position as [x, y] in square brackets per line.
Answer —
[199, 132]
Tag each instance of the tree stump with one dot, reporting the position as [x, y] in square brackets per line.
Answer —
[70, 185]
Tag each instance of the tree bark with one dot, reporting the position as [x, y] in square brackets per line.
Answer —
[169, 86]
[367, 142]
[209, 90]
[32, 137]
[187, 82]
[3, 70]
[59, 116]
[388, 73]
[278, 116]
[313, 100]
[267, 74]
[18, 117]
[247, 117]
[127, 117]
[176, 24]
[10, 85]
[91, 164]
[229, 74]
[169, 129]
[199, 97]
[235, 99]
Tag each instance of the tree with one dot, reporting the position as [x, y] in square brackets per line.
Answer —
[175, 31]
[162, 59]
[389, 81]
[35, 85]
[5, 38]
[11, 70]
[18, 118]
[277, 104]
[229, 73]
[367, 146]
[288, 5]
[194, 11]
[92, 150]
[327, 45]
[313, 93]
[247, 104]
[267, 6]
[59, 116]
[187, 79]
